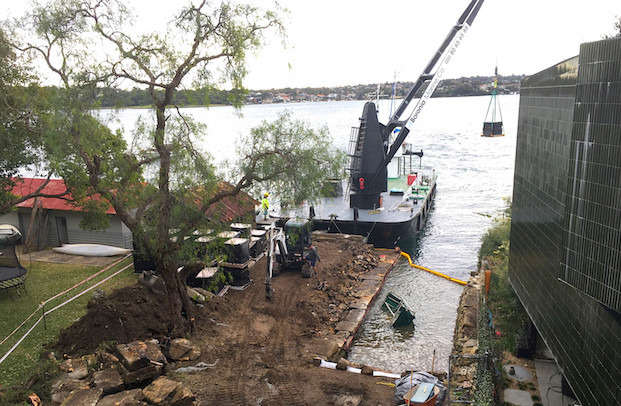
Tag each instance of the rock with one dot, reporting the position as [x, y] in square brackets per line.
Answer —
[182, 348]
[154, 352]
[107, 360]
[347, 400]
[63, 387]
[343, 363]
[204, 292]
[161, 391]
[471, 343]
[133, 355]
[367, 370]
[75, 368]
[183, 397]
[82, 397]
[108, 380]
[132, 378]
[195, 295]
[91, 361]
[125, 398]
[194, 353]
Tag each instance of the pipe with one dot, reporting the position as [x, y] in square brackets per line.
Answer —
[433, 272]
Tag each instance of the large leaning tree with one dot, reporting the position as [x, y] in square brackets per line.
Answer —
[161, 181]
[21, 135]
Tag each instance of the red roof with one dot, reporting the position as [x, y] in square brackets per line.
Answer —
[225, 210]
[26, 186]
[231, 207]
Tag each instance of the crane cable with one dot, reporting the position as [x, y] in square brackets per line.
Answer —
[440, 274]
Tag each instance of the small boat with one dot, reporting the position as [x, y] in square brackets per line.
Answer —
[91, 250]
[493, 127]
[401, 312]
[424, 394]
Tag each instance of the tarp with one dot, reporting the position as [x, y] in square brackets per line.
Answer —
[403, 384]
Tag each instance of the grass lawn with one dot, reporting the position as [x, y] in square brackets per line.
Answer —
[46, 280]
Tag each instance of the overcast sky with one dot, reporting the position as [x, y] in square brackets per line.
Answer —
[350, 42]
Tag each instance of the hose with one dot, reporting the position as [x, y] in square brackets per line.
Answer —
[433, 272]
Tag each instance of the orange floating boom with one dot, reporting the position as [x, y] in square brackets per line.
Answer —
[433, 272]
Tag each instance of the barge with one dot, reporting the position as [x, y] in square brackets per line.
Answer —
[388, 195]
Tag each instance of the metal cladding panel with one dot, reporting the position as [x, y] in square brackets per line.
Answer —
[591, 259]
[565, 216]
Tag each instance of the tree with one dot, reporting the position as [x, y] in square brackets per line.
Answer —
[161, 183]
[21, 142]
[617, 29]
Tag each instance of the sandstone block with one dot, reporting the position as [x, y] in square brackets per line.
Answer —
[154, 352]
[133, 355]
[62, 388]
[161, 391]
[83, 397]
[141, 375]
[180, 348]
[75, 368]
[125, 398]
[108, 380]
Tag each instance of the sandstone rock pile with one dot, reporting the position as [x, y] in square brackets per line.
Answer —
[465, 344]
[132, 376]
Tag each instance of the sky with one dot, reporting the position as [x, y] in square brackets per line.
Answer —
[351, 42]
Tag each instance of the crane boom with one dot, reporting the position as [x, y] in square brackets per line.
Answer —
[370, 149]
[443, 55]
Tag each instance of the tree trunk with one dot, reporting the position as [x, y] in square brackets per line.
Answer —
[181, 310]
[30, 238]
[182, 315]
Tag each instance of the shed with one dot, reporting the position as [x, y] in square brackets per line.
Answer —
[56, 221]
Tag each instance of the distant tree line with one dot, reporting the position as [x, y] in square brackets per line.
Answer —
[473, 86]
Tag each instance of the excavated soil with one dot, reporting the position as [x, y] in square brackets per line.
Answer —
[259, 351]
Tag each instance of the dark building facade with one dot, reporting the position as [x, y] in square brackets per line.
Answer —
[565, 262]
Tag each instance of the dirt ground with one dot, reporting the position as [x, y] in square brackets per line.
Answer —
[260, 351]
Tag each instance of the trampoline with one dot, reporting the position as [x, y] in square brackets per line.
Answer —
[12, 273]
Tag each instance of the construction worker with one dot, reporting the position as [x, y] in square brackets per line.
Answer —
[312, 257]
[265, 205]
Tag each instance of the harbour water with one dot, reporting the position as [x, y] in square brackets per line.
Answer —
[474, 175]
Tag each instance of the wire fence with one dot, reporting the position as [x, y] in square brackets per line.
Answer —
[45, 312]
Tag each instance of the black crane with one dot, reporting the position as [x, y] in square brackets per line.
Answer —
[371, 149]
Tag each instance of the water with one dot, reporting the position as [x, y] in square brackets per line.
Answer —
[475, 173]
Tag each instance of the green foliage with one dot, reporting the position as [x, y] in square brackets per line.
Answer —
[509, 316]
[220, 279]
[39, 381]
[291, 159]
[617, 29]
[21, 103]
[495, 241]
[162, 183]
[486, 383]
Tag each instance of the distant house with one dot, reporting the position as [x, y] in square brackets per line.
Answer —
[57, 221]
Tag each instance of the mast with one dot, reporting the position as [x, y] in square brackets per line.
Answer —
[370, 151]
